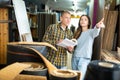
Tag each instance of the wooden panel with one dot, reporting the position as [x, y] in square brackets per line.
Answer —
[108, 36]
[34, 32]
[111, 56]
[22, 19]
[44, 20]
[119, 29]
[30, 77]
[3, 35]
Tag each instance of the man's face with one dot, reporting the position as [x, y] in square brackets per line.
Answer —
[65, 19]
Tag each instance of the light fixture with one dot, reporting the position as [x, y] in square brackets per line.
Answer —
[75, 5]
[75, 2]
[55, 1]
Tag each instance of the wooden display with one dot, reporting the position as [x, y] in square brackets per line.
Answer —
[111, 56]
[119, 29]
[49, 66]
[30, 77]
[3, 35]
[108, 35]
[11, 71]
[33, 20]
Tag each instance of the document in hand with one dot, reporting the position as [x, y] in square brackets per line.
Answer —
[66, 42]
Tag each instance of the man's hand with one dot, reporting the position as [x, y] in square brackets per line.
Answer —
[60, 41]
[70, 48]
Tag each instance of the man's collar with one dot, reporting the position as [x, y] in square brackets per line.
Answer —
[62, 27]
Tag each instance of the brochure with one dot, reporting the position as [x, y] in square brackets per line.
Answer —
[66, 42]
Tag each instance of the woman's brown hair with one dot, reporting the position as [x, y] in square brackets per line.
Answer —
[79, 29]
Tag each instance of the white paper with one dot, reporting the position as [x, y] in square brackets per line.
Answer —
[22, 19]
[66, 42]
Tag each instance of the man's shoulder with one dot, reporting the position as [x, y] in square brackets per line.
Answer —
[54, 25]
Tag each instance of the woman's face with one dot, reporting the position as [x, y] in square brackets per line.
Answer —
[84, 21]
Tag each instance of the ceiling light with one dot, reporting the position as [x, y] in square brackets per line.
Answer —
[75, 2]
[88, 3]
[75, 5]
[55, 1]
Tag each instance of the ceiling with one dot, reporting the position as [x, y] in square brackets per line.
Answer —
[67, 4]
[71, 5]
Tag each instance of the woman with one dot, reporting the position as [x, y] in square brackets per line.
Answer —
[85, 38]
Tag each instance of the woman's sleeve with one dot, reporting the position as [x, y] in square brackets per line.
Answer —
[95, 32]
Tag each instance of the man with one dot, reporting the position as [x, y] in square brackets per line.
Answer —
[54, 34]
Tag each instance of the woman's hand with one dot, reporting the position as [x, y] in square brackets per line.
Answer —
[100, 24]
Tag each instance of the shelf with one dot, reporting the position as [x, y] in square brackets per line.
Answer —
[32, 13]
[7, 21]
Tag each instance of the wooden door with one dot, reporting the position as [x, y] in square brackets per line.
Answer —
[3, 34]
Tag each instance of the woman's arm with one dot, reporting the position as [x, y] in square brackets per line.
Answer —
[97, 28]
